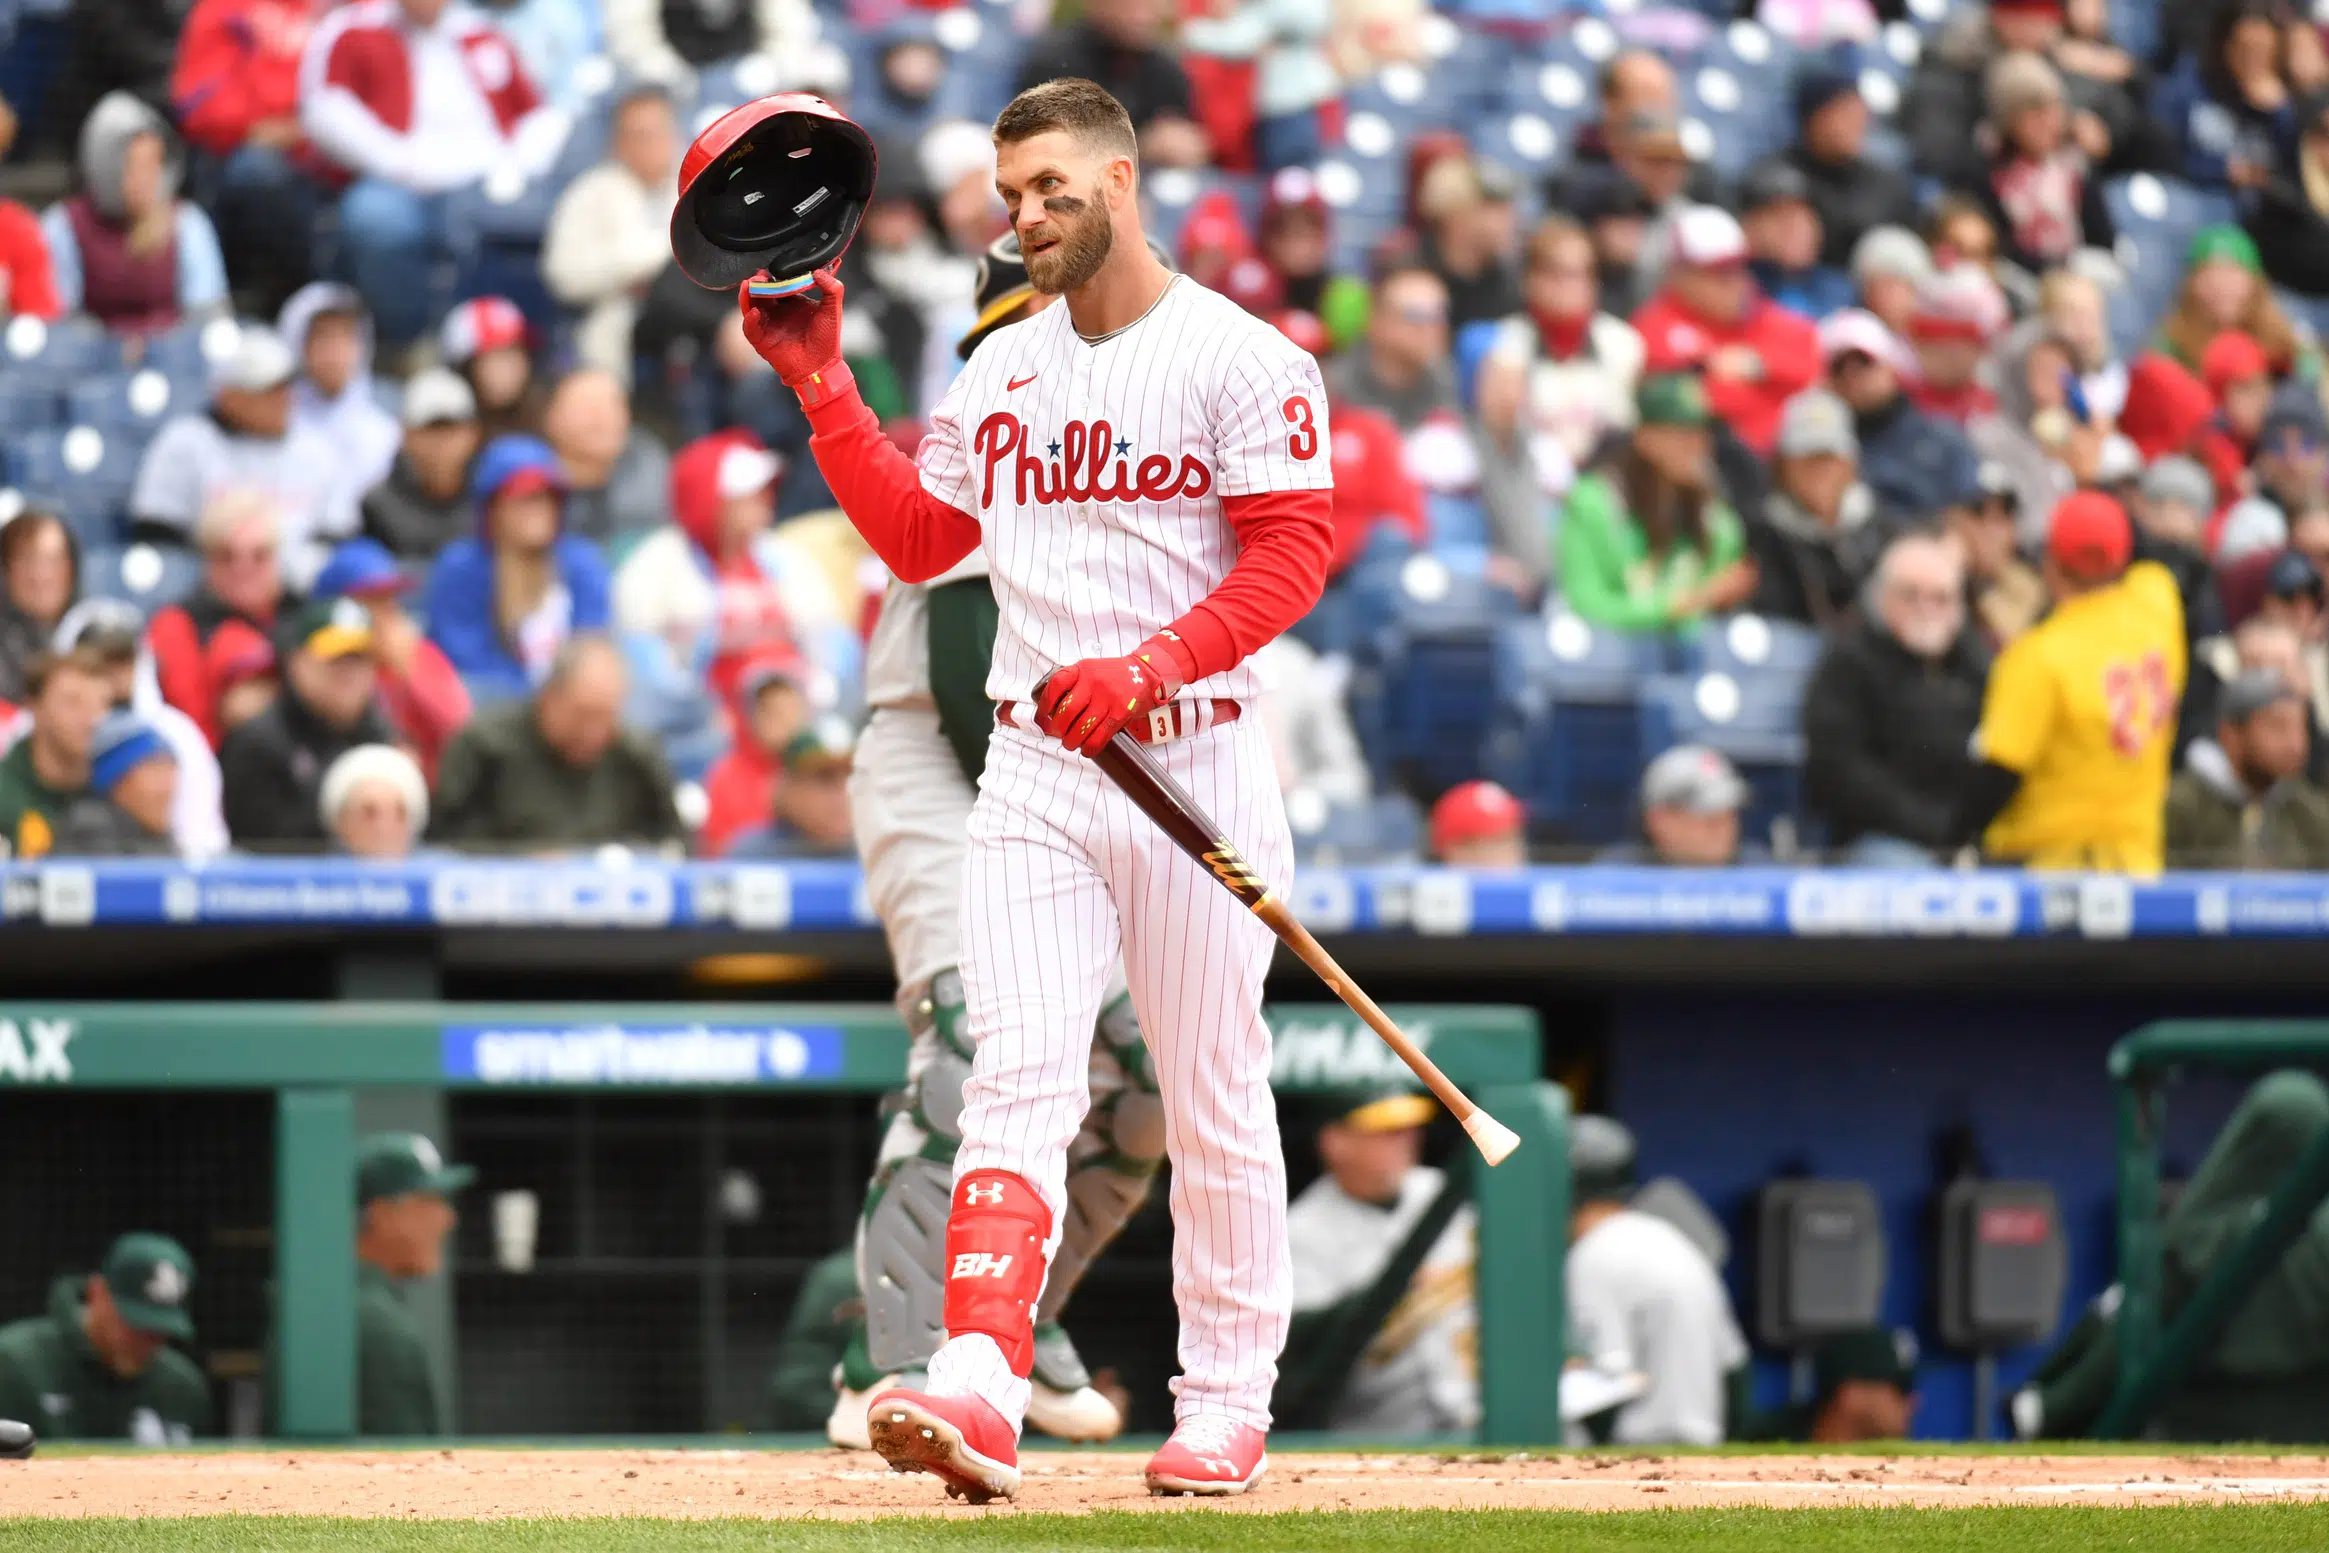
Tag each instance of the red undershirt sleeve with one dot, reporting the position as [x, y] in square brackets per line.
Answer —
[1285, 540]
[916, 535]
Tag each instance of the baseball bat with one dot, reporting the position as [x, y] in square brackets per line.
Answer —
[1134, 770]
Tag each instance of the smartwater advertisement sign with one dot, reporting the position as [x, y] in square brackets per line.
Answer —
[638, 1054]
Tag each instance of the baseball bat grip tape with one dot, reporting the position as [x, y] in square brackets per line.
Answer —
[1136, 772]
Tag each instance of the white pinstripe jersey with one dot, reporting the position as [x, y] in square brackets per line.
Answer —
[1097, 471]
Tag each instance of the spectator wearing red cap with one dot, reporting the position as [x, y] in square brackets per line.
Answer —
[503, 601]
[1709, 318]
[716, 586]
[420, 695]
[771, 708]
[487, 341]
[1479, 825]
[1958, 314]
[2239, 378]
[227, 621]
[2078, 724]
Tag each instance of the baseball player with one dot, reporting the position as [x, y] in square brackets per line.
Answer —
[1147, 468]
[910, 796]
[99, 1365]
[2079, 720]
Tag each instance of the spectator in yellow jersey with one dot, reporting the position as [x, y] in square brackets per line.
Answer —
[2079, 720]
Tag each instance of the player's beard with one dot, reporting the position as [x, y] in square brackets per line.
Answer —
[1086, 237]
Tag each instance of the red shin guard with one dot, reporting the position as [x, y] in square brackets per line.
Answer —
[994, 1262]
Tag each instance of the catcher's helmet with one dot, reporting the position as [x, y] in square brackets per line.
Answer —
[777, 185]
[1003, 288]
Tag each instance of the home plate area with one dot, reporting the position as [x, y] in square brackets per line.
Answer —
[489, 1483]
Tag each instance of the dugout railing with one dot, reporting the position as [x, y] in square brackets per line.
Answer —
[2155, 1353]
[315, 1059]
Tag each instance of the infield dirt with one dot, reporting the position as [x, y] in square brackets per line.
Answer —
[486, 1483]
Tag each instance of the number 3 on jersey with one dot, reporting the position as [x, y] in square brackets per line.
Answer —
[1302, 442]
[2140, 704]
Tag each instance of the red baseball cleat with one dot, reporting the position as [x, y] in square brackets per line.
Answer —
[1209, 1454]
[961, 1441]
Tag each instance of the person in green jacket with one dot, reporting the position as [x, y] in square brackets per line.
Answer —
[2242, 800]
[403, 1196]
[1647, 543]
[2266, 1377]
[47, 771]
[827, 1320]
[99, 1365]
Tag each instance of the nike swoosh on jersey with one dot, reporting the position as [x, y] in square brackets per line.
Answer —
[1020, 382]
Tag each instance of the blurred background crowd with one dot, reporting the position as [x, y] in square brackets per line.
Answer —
[1706, 382]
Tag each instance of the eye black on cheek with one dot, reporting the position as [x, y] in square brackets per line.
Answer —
[1064, 205]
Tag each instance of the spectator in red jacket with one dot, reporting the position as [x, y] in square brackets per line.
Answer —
[414, 99]
[1959, 313]
[1709, 318]
[235, 93]
[422, 697]
[1371, 484]
[2239, 379]
[28, 280]
[772, 707]
[224, 628]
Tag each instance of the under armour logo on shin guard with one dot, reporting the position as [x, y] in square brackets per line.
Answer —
[983, 1194]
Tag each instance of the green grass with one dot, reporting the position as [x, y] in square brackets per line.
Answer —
[2214, 1528]
[1280, 1445]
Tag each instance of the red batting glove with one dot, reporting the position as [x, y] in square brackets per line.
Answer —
[1088, 703]
[800, 336]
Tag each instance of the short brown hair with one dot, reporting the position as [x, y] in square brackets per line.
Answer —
[85, 659]
[1084, 109]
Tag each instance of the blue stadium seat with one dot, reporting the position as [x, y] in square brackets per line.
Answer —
[149, 576]
[1566, 738]
[79, 472]
[987, 57]
[1421, 683]
[1173, 191]
[2135, 26]
[28, 402]
[187, 354]
[58, 352]
[1752, 647]
[128, 404]
[1405, 95]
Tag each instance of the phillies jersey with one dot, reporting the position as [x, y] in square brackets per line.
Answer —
[1097, 472]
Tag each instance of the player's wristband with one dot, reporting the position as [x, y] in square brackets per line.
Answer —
[828, 383]
[1170, 658]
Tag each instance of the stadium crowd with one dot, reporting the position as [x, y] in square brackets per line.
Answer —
[1809, 428]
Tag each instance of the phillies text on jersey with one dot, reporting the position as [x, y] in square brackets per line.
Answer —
[1097, 472]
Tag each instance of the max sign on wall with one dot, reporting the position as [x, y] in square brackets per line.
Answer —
[34, 1051]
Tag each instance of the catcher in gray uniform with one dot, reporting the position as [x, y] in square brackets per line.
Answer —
[910, 793]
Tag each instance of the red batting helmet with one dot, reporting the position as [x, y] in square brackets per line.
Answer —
[777, 185]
